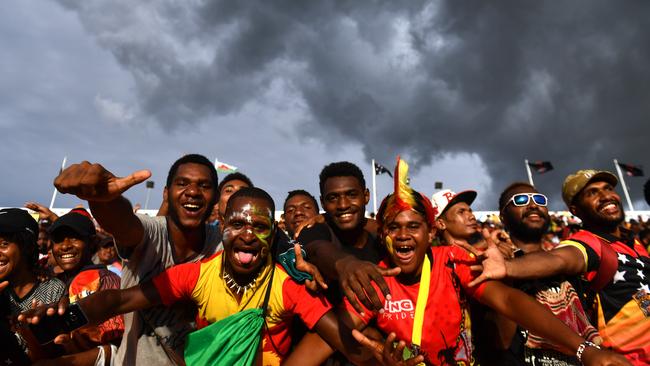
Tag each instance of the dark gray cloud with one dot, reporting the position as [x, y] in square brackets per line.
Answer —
[565, 82]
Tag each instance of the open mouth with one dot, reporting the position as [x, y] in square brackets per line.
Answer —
[192, 209]
[245, 256]
[608, 208]
[3, 265]
[67, 257]
[404, 253]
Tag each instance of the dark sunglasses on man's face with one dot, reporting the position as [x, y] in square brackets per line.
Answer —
[523, 199]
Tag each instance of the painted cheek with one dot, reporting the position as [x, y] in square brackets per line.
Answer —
[264, 237]
[389, 245]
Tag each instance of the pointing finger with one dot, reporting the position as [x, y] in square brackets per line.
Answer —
[124, 183]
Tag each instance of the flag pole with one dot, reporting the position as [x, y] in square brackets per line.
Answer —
[374, 188]
[146, 200]
[530, 174]
[620, 176]
[54, 193]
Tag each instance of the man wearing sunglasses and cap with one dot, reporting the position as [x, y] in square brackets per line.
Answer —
[614, 265]
[524, 214]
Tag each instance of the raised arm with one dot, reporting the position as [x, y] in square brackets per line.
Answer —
[103, 191]
[567, 260]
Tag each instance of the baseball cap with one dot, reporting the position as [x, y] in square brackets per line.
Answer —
[78, 222]
[105, 241]
[576, 182]
[446, 198]
[14, 220]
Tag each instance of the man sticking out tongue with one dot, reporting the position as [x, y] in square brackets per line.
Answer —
[243, 298]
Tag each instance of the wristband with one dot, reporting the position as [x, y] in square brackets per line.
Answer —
[581, 349]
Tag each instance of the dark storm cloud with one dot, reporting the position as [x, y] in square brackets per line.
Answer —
[558, 81]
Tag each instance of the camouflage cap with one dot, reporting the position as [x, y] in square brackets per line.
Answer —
[574, 183]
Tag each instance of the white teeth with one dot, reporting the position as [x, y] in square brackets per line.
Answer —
[189, 205]
[608, 206]
[66, 256]
[344, 216]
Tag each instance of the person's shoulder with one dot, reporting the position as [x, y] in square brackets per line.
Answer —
[152, 224]
[211, 260]
[281, 274]
[151, 219]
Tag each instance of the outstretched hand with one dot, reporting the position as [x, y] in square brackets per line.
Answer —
[387, 353]
[92, 182]
[39, 311]
[492, 260]
[356, 278]
[302, 265]
[44, 213]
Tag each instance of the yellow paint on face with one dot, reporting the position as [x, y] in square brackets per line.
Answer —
[389, 245]
[250, 217]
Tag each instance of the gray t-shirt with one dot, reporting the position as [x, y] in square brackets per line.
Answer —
[140, 343]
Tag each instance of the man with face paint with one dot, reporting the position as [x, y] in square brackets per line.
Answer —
[155, 336]
[231, 281]
[609, 258]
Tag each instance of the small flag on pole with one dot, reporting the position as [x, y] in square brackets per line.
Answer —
[380, 169]
[541, 167]
[631, 170]
[223, 167]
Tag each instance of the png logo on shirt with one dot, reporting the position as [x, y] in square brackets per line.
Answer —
[399, 309]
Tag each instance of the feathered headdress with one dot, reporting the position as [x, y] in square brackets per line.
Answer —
[404, 198]
[403, 192]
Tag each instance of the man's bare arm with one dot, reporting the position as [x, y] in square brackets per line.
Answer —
[562, 261]
[530, 314]
[102, 305]
[117, 218]
[567, 260]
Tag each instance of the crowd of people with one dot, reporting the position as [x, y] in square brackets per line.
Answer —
[214, 279]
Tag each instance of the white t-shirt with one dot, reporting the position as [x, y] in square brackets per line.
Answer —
[140, 346]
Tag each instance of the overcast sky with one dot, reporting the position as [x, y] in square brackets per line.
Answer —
[465, 91]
